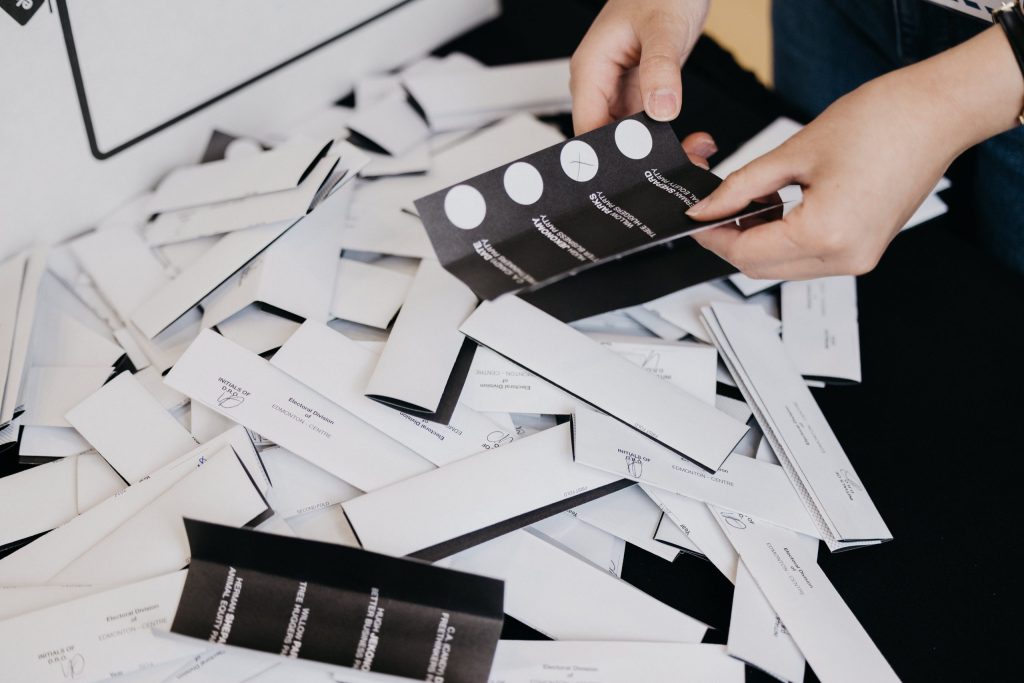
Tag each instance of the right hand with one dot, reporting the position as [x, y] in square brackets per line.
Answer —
[631, 58]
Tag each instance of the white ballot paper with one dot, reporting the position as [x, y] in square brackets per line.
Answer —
[98, 636]
[413, 371]
[281, 168]
[600, 548]
[338, 368]
[26, 304]
[391, 123]
[682, 308]
[247, 389]
[754, 487]
[793, 423]
[828, 634]
[567, 598]
[129, 428]
[555, 661]
[485, 495]
[368, 294]
[300, 486]
[237, 214]
[631, 515]
[473, 97]
[156, 313]
[280, 277]
[698, 523]
[153, 541]
[37, 499]
[819, 327]
[39, 561]
[757, 635]
[51, 391]
[583, 367]
[496, 384]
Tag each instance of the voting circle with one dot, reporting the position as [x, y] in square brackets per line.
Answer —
[369, 342]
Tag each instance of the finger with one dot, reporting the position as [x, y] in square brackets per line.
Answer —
[698, 161]
[593, 81]
[757, 249]
[760, 177]
[700, 144]
[662, 51]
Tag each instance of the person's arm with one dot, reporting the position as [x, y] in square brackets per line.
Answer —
[867, 162]
[630, 60]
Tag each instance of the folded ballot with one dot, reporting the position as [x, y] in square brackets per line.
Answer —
[328, 603]
[614, 191]
[794, 425]
[588, 370]
[485, 495]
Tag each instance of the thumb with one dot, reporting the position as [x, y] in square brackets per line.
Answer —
[762, 176]
[661, 61]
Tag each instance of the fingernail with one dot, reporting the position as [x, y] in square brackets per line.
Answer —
[701, 163]
[661, 105]
[706, 147]
[697, 209]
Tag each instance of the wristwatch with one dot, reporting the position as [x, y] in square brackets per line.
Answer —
[1011, 17]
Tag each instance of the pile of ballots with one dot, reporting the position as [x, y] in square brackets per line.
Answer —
[330, 403]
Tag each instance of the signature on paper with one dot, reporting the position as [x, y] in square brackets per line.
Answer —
[73, 667]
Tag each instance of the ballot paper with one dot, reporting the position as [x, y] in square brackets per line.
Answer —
[489, 494]
[616, 190]
[819, 327]
[237, 214]
[757, 488]
[368, 294]
[496, 384]
[567, 598]
[596, 546]
[793, 423]
[96, 481]
[386, 231]
[828, 634]
[48, 442]
[224, 259]
[279, 278]
[757, 635]
[682, 308]
[338, 605]
[391, 123]
[698, 523]
[36, 500]
[631, 515]
[581, 366]
[424, 364]
[281, 168]
[50, 392]
[555, 661]
[40, 561]
[339, 368]
[461, 97]
[152, 541]
[26, 302]
[247, 389]
[106, 634]
[300, 486]
[129, 428]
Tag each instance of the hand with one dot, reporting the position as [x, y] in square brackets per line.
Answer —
[866, 164]
[630, 60]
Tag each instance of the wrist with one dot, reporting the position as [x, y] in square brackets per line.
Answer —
[968, 93]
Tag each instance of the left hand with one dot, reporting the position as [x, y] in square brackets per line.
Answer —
[865, 165]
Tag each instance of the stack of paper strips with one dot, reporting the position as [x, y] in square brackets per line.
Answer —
[242, 415]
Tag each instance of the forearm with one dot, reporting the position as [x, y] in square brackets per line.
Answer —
[969, 93]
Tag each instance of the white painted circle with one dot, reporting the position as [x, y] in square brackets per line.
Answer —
[465, 207]
[523, 183]
[242, 148]
[579, 160]
[633, 139]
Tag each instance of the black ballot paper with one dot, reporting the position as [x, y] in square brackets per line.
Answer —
[584, 202]
[338, 605]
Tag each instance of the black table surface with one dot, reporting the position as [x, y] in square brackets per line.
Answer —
[932, 430]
